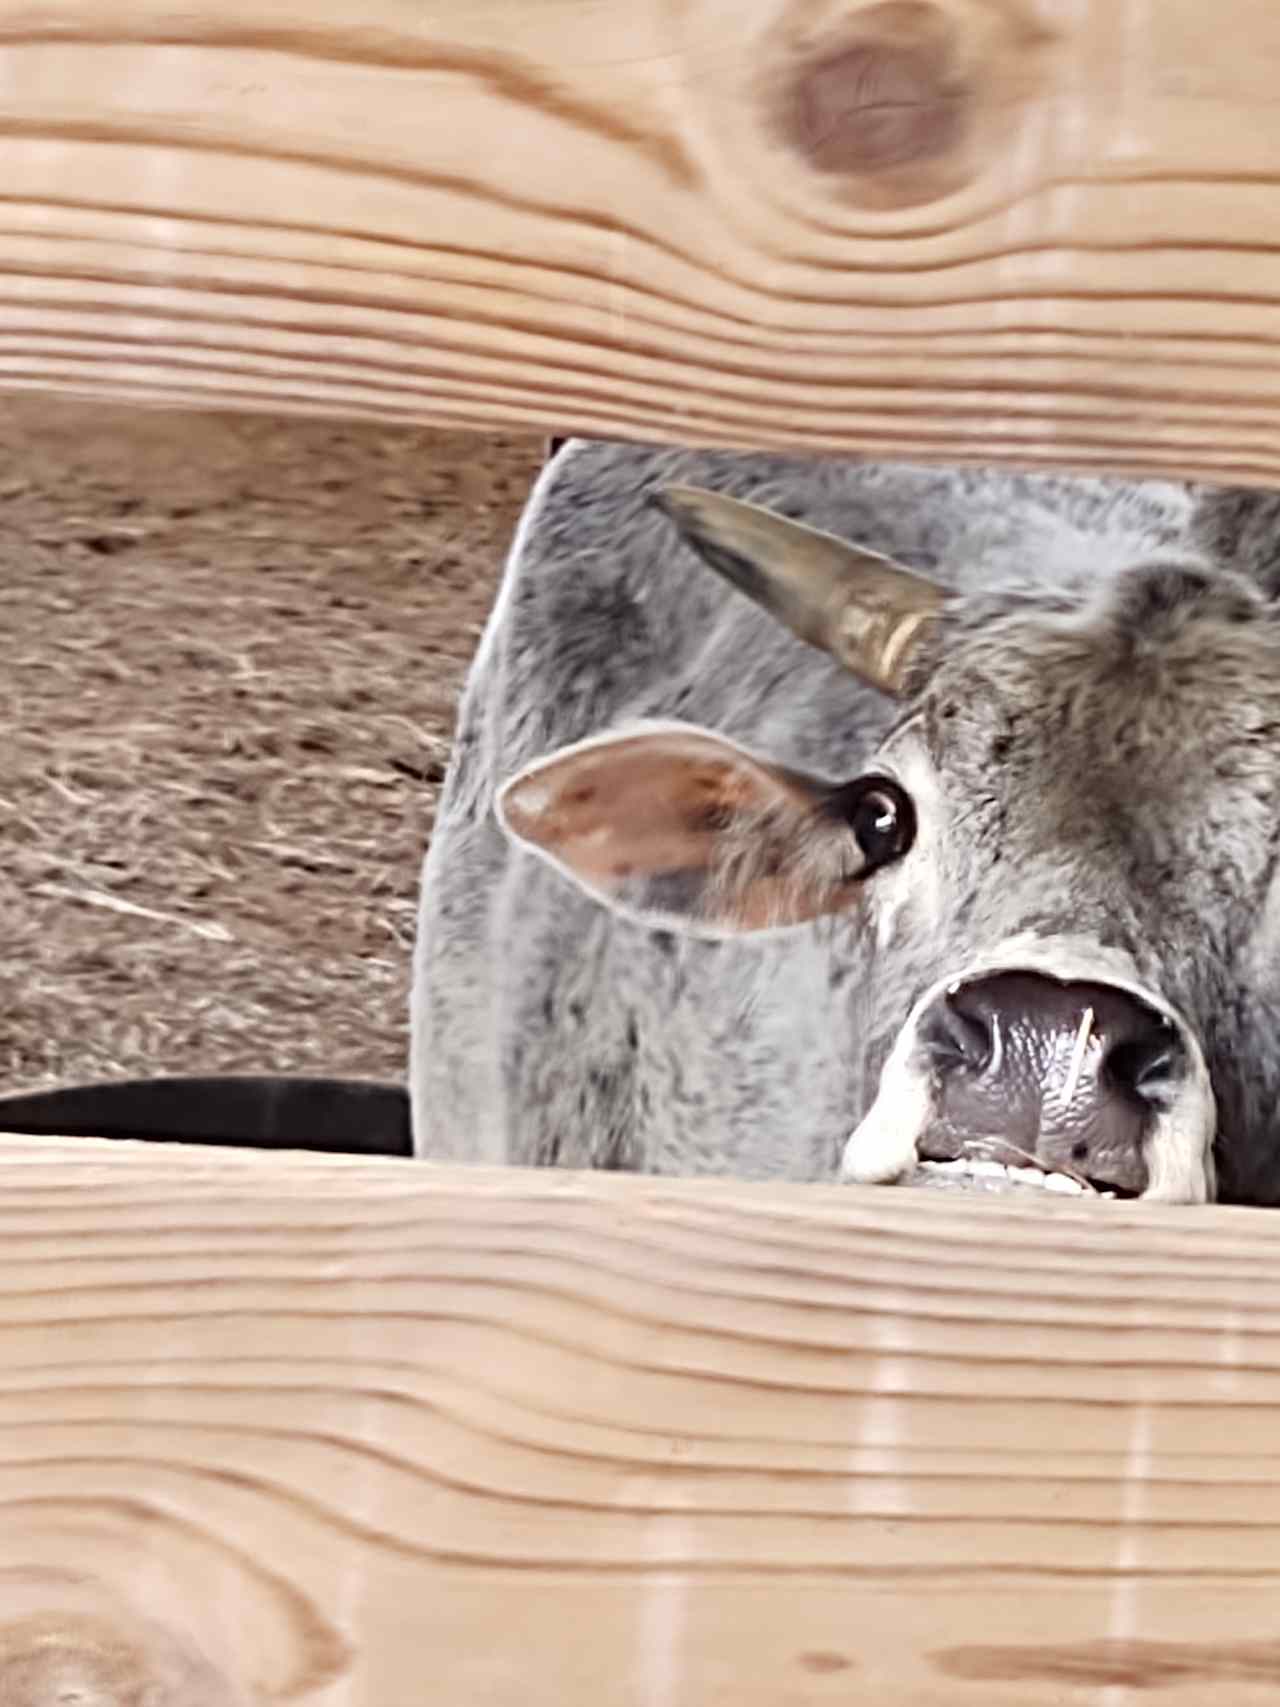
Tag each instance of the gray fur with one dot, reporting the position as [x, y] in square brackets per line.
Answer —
[1098, 739]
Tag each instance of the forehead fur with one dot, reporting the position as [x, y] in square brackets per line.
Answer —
[1162, 654]
[1127, 741]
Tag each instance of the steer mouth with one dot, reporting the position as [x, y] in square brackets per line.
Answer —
[1014, 1079]
[976, 1173]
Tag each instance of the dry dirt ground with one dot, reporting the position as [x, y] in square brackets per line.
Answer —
[231, 651]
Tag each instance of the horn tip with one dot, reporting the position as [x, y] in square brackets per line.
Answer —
[673, 501]
[682, 506]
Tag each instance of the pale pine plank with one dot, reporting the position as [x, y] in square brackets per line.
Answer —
[609, 216]
[281, 1428]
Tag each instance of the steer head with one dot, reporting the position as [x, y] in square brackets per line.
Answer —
[1060, 863]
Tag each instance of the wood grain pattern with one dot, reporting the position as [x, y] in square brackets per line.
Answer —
[1020, 230]
[337, 1432]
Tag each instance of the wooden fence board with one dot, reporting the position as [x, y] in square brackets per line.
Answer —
[1038, 230]
[276, 1428]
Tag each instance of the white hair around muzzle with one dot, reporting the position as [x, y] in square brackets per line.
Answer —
[885, 1146]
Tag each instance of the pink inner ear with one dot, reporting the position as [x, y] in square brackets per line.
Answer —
[646, 821]
[648, 804]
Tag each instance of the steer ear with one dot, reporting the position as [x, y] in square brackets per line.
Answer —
[684, 830]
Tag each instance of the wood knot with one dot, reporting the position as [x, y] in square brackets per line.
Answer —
[54, 1659]
[887, 95]
[898, 103]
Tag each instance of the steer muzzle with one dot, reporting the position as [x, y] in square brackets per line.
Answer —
[1076, 1078]
[1068, 1075]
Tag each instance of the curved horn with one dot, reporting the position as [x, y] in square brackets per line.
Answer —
[864, 609]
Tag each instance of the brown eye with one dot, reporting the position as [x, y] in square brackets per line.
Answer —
[882, 819]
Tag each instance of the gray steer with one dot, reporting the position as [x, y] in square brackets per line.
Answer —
[939, 821]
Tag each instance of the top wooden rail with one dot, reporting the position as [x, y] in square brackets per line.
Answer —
[350, 1434]
[1027, 230]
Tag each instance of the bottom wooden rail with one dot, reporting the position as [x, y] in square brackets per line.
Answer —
[379, 1434]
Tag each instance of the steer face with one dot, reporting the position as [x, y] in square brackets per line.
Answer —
[1058, 869]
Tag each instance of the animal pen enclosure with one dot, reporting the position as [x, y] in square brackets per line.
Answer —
[280, 1429]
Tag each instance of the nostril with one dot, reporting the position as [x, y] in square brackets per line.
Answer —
[1147, 1066]
[960, 1033]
